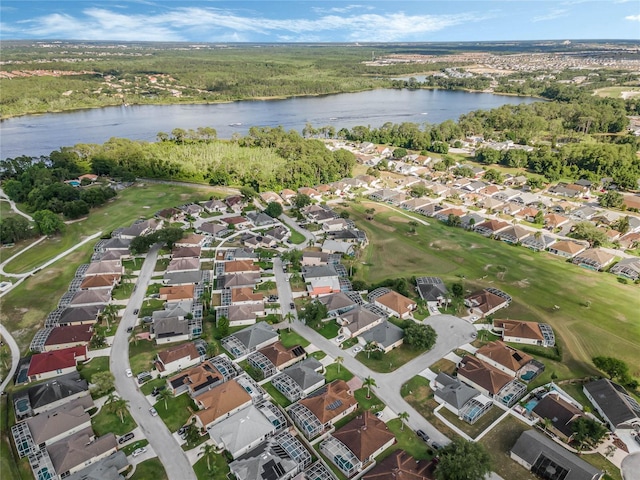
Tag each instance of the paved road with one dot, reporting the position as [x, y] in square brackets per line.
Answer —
[311, 239]
[452, 332]
[160, 439]
[15, 356]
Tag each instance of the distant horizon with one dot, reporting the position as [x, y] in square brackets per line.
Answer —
[316, 21]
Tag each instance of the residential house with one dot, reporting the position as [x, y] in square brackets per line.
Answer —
[336, 224]
[170, 214]
[539, 241]
[487, 301]
[214, 229]
[429, 210]
[385, 336]
[202, 377]
[250, 339]
[235, 202]
[192, 240]
[565, 190]
[288, 195]
[490, 381]
[528, 214]
[618, 409]
[245, 296]
[281, 457]
[189, 277]
[470, 220]
[528, 333]
[394, 304]
[237, 223]
[138, 228]
[400, 465]
[355, 445]
[279, 233]
[177, 293]
[186, 252]
[192, 209]
[491, 204]
[86, 298]
[514, 234]
[383, 195]
[509, 360]
[275, 357]
[105, 267]
[238, 280]
[100, 281]
[67, 337]
[341, 302]
[627, 267]
[541, 456]
[269, 197]
[560, 413]
[177, 358]
[415, 203]
[78, 451]
[299, 380]
[335, 246]
[318, 213]
[350, 235]
[444, 214]
[115, 244]
[214, 206]
[260, 219]
[357, 321]
[310, 259]
[112, 467]
[584, 213]
[567, 248]
[170, 329]
[240, 266]
[58, 362]
[593, 259]
[318, 412]
[460, 399]
[242, 431]
[432, 290]
[52, 394]
[239, 315]
[219, 403]
[183, 264]
[311, 193]
[257, 241]
[490, 227]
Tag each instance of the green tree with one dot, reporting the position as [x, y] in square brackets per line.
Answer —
[313, 314]
[164, 395]
[622, 224]
[419, 336]
[192, 434]
[208, 452]
[458, 290]
[535, 182]
[493, 175]
[539, 218]
[339, 361]
[589, 232]
[103, 383]
[587, 431]
[274, 209]
[370, 347]
[369, 383]
[418, 190]
[400, 153]
[611, 366]
[301, 200]
[118, 406]
[47, 222]
[248, 193]
[223, 327]
[403, 416]
[289, 318]
[611, 199]
[453, 220]
[110, 314]
[463, 460]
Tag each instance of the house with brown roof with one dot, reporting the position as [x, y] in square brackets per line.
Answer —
[310, 192]
[80, 450]
[490, 381]
[319, 411]
[401, 466]
[195, 380]
[353, 447]
[503, 357]
[192, 240]
[214, 205]
[177, 293]
[183, 265]
[566, 248]
[528, 333]
[238, 223]
[186, 252]
[240, 266]
[245, 295]
[269, 197]
[630, 240]
[513, 234]
[214, 229]
[105, 267]
[235, 202]
[177, 358]
[58, 362]
[287, 195]
[100, 281]
[67, 337]
[172, 214]
[485, 302]
[219, 403]
[275, 357]
[86, 298]
[357, 320]
[560, 412]
[490, 227]
[396, 304]
[527, 213]
[593, 259]
[244, 314]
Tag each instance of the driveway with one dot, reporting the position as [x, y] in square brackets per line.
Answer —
[161, 441]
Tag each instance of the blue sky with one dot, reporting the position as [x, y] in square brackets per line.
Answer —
[319, 21]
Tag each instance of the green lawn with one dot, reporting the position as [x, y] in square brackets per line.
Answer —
[220, 470]
[408, 441]
[601, 463]
[148, 387]
[97, 364]
[129, 449]
[123, 291]
[536, 281]
[151, 468]
[296, 237]
[371, 403]
[481, 424]
[290, 339]
[150, 306]
[389, 361]
[329, 329]
[176, 413]
[276, 395]
[142, 354]
[335, 371]
[105, 422]
[8, 465]
[418, 394]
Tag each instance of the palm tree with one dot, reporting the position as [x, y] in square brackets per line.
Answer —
[369, 382]
[339, 361]
[289, 317]
[5, 356]
[370, 347]
[165, 395]
[109, 314]
[209, 453]
[117, 405]
[212, 348]
[403, 416]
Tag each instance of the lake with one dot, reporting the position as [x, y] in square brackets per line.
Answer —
[36, 135]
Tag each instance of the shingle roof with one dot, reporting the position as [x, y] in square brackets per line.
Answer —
[70, 334]
[221, 400]
[56, 389]
[454, 392]
[612, 400]
[51, 424]
[483, 374]
[245, 294]
[396, 302]
[384, 334]
[561, 413]
[568, 246]
[279, 355]
[329, 401]
[177, 292]
[505, 355]
[179, 351]
[78, 449]
[97, 281]
[364, 435]
[520, 329]
[358, 318]
[255, 334]
[56, 360]
[235, 266]
[401, 466]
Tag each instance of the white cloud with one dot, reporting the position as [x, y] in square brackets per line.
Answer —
[633, 18]
[552, 15]
[213, 24]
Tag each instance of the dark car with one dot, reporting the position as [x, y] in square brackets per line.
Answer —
[436, 446]
[125, 438]
[423, 435]
[182, 430]
[637, 437]
[129, 329]
[292, 306]
[156, 391]
[135, 312]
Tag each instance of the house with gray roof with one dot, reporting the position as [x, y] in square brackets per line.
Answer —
[358, 320]
[432, 289]
[299, 380]
[386, 336]
[238, 280]
[250, 339]
[52, 394]
[79, 315]
[471, 219]
[459, 398]
[260, 219]
[335, 246]
[341, 302]
[85, 298]
[182, 278]
[538, 243]
[109, 468]
[79, 451]
[627, 267]
[618, 409]
[549, 460]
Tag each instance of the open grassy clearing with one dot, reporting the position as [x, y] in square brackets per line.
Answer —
[388, 362]
[219, 469]
[151, 468]
[95, 365]
[536, 281]
[617, 91]
[105, 422]
[408, 441]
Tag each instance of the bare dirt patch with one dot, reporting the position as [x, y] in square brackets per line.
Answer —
[385, 227]
[396, 219]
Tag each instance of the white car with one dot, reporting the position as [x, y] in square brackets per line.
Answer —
[129, 373]
[153, 412]
[139, 451]
[340, 338]
[357, 349]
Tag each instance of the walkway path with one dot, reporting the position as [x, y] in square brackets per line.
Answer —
[15, 356]
[13, 206]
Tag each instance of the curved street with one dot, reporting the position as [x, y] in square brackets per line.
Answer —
[173, 458]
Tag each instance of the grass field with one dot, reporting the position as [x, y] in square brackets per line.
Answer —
[176, 412]
[389, 361]
[151, 468]
[218, 472]
[616, 92]
[536, 281]
[95, 365]
[105, 422]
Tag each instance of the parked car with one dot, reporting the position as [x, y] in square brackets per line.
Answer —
[129, 329]
[139, 451]
[637, 438]
[156, 391]
[129, 372]
[340, 338]
[125, 438]
[436, 445]
[423, 435]
[357, 349]
[153, 412]
[182, 430]
[135, 312]
[292, 306]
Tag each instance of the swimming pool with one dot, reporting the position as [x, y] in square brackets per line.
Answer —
[531, 404]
